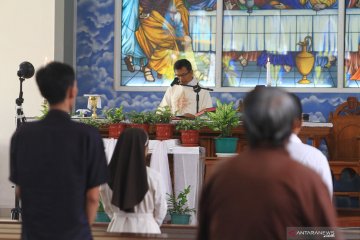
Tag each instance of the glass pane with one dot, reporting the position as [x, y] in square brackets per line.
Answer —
[286, 43]
[154, 34]
[352, 44]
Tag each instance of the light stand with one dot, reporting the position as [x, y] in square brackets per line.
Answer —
[20, 119]
[197, 88]
[26, 70]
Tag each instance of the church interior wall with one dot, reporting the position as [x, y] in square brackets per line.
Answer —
[27, 29]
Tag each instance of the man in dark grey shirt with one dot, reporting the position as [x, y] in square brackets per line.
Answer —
[57, 164]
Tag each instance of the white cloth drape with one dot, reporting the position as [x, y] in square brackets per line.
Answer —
[160, 162]
[109, 144]
[189, 170]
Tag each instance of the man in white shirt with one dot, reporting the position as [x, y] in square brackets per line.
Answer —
[309, 155]
[182, 99]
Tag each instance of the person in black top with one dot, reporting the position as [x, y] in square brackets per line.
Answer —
[57, 164]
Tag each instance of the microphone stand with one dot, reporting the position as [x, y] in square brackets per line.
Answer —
[20, 119]
[197, 88]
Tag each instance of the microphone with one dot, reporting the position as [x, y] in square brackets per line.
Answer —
[26, 70]
[176, 81]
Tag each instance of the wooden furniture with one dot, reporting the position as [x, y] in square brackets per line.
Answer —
[344, 152]
[337, 167]
[344, 140]
[10, 229]
[315, 132]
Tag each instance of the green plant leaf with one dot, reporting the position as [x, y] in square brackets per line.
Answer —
[224, 119]
[179, 204]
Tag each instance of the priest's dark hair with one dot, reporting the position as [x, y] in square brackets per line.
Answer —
[183, 63]
[128, 177]
[54, 80]
[269, 115]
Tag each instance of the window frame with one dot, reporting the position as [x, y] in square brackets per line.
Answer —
[218, 56]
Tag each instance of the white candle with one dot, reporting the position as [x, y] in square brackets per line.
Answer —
[268, 77]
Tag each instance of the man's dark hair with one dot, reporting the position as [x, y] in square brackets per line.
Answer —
[269, 114]
[54, 80]
[183, 63]
[298, 106]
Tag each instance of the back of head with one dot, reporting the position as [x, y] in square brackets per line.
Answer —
[128, 178]
[269, 114]
[183, 63]
[54, 80]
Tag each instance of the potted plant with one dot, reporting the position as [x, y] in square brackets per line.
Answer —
[95, 122]
[44, 110]
[163, 128]
[140, 120]
[189, 131]
[115, 118]
[224, 119]
[101, 216]
[178, 207]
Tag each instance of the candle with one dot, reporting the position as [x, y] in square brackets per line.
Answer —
[268, 77]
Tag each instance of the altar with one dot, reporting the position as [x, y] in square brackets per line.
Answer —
[188, 167]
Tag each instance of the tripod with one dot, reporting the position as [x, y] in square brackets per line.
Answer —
[20, 119]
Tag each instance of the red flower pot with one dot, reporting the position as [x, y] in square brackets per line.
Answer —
[164, 131]
[142, 126]
[115, 129]
[189, 138]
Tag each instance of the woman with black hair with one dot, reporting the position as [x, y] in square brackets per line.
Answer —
[134, 197]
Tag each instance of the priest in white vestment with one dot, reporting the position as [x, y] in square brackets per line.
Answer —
[182, 99]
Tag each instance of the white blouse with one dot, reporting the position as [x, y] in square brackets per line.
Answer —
[148, 214]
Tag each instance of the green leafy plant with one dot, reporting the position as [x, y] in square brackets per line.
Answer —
[186, 124]
[163, 115]
[114, 115]
[44, 110]
[140, 117]
[224, 119]
[101, 207]
[178, 204]
[97, 123]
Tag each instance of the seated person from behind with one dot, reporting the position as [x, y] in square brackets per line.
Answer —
[134, 197]
[306, 154]
[182, 99]
[262, 191]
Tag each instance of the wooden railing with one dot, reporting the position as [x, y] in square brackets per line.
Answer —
[12, 230]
